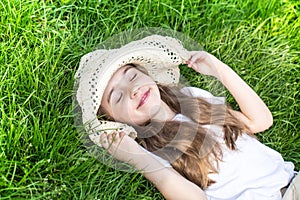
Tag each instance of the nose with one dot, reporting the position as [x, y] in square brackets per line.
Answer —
[134, 92]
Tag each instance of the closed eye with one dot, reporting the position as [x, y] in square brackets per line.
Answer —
[120, 97]
[133, 77]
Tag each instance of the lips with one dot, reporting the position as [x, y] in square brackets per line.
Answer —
[144, 98]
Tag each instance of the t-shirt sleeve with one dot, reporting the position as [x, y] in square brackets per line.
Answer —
[197, 92]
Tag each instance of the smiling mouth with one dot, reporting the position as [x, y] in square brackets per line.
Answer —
[144, 98]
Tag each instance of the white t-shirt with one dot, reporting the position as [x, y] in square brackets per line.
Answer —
[252, 172]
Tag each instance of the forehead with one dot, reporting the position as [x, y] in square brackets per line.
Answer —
[120, 73]
[117, 77]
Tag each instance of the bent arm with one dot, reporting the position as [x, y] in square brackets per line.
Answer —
[167, 180]
[254, 111]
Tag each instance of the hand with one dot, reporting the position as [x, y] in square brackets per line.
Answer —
[120, 146]
[203, 63]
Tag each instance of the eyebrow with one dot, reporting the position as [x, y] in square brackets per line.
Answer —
[128, 68]
[124, 72]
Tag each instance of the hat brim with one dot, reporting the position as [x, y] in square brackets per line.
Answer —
[159, 55]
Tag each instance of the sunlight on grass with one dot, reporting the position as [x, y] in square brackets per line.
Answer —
[41, 44]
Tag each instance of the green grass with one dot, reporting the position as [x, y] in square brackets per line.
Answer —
[41, 44]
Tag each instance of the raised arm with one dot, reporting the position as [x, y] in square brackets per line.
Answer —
[170, 183]
[254, 111]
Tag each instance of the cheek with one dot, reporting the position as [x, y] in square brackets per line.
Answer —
[109, 110]
[130, 116]
[121, 112]
[156, 97]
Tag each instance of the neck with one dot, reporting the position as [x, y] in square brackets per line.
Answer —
[165, 113]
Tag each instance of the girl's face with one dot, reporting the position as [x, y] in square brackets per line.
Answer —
[131, 96]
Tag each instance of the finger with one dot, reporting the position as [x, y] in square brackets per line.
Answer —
[104, 141]
[103, 136]
[192, 53]
[114, 133]
[110, 138]
[200, 55]
[188, 63]
[118, 136]
[121, 134]
[114, 136]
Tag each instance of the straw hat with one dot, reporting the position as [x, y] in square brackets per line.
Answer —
[159, 55]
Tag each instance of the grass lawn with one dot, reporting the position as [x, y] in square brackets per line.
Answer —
[41, 42]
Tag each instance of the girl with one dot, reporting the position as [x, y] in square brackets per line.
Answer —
[201, 148]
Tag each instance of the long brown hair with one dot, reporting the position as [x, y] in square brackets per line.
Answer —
[191, 147]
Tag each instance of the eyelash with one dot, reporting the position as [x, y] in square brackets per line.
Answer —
[119, 99]
[133, 77]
